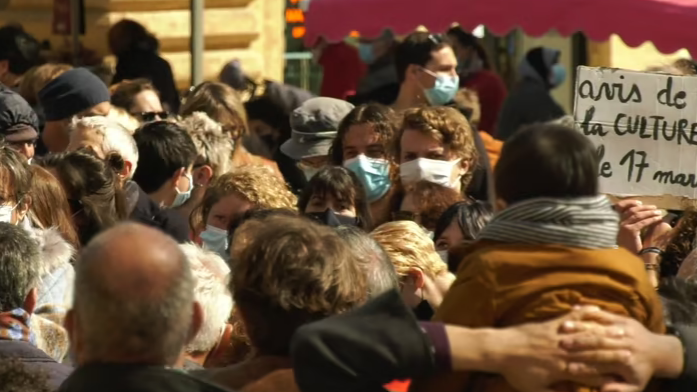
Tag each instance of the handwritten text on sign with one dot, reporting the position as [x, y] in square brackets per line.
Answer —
[644, 126]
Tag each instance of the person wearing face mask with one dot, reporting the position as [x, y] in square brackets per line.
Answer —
[427, 71]
[229, 197]
[335, 197]
[314, 126]
[362, 145]
[530, 100]
[435, 144]
[165, 170]
[380, 83]
[424, 277]
[476, 73]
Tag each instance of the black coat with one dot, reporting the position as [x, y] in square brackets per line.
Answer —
[133, 378]
[35, 359]
[528, 103]
[147, 212]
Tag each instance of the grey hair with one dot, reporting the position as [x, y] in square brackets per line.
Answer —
[20, 266]
[115, 137]
[212, 144]
[212, 276]
[114, 326]
[374, 260]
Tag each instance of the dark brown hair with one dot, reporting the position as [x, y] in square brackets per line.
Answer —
[49, 207]
[380, 117]
[92, 188]
[546, 160]
[290, 271]
[343, 186]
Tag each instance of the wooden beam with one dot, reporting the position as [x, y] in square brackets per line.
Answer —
[211, 42]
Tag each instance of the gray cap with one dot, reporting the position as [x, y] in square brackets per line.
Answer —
[314, 126]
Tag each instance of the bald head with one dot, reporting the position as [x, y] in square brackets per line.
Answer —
[133, 298]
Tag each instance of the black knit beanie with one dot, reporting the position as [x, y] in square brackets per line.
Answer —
[71, 93]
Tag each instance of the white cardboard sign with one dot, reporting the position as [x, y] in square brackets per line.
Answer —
[644, 126]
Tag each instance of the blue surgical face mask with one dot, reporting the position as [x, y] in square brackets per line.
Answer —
[365, 52]
[444, 90]
[182, 197]
[374, 174]
[558, 75]
[215, 240]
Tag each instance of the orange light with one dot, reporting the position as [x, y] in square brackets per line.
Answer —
[354, 34]
[298, 31]
[295, 1]
[295, 15]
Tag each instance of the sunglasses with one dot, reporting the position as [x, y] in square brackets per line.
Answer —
[152, 116]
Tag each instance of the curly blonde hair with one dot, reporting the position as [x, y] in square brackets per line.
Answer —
[447, 126]
[409, 247]
[254, 183]
[213, 146]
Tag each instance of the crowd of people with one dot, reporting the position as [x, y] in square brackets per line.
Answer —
[252, 237]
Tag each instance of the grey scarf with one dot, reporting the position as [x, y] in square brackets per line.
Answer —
[588, 222]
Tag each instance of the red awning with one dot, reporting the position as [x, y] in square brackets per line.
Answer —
[670, 24]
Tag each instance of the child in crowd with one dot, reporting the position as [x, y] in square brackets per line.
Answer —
[551, 246]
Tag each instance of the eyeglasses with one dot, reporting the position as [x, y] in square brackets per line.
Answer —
[152, 116]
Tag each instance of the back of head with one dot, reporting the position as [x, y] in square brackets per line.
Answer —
[416, 49]
[136, 283]
[163, 148]
[115, 139]
[211, 275]
[376, 264]
[409, 247]
[49, 207]
[289, 271]
[15, 175]
[471, 217]
[128, 35]
[92, 188]
[20, 266]
[36, 78]
[221, 103]
[19, 49]
[546, 160]
[213, 146]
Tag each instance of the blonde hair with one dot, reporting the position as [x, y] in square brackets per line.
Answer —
[123, 118]
[409, 247]
[36, 78]
[213, 146]
[222, 104]
[255, 183]
[447, 126]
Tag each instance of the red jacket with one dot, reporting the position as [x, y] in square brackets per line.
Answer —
[492, 92]
[342, 70]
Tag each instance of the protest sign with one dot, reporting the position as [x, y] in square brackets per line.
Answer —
[644, 126]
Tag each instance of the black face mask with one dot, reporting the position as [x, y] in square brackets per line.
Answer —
[331, 219]
[423, 311]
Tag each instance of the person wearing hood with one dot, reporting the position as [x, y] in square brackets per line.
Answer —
[136, 50]
[530, 101]
[380, 84]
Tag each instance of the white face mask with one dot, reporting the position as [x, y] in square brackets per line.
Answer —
[6, 213]
[431, 170]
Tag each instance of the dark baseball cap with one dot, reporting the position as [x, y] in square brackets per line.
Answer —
[19, 48]
[18, 121]
[314, 126]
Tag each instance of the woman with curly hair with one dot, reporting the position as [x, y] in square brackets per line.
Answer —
[230, 196]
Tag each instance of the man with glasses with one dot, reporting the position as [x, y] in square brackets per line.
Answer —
[18, 123]
[426, 70]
